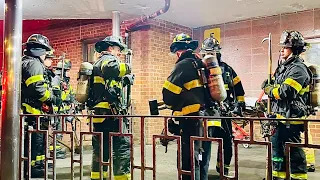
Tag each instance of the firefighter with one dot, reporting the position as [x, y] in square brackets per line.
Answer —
[235, 100]
[36, 97]
[108, 73]
[288, 93]
[185, 94]
[68, 97]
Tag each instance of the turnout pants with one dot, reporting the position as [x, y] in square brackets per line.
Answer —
[190, 128]
[298, 164]
[224, 132]
[37, 144]
[120, 151]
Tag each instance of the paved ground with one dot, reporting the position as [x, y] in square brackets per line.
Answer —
[251, 161]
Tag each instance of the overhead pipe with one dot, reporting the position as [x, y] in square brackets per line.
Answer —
[11, 88]
[143, 19]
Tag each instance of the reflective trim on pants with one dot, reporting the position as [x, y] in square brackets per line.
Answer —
[96, 175]
[282, 175]
[299, 176]
[57, 147]
[279, 174]
[123, 177]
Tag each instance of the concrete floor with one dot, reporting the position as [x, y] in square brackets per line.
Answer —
[251, 162]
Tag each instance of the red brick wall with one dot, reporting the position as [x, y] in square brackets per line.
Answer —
[67, 39]
[152, 64]
[242, 48]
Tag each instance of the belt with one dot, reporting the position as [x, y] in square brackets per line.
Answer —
[279, 116]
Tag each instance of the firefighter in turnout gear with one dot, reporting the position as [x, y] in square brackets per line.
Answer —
[235, 100]
[36, 97]
[289, 94]
[184, 93]
[108, 75]
[68, 97]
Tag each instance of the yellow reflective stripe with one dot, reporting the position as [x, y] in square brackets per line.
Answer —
[172, 87]
[214, 123]
[187, 110]
[115, 83]
[67, 107]
[33, 163]
[51, 148]
[38, 158]
[226, 86]
[98, 79]
[240, 98]
[295, 122]
[304, 90]
[31, 110]
[192, 84]
[34, 79]
[63, 96]
[55, 108]
[104, 105]
[45, 96]
[98, 120]
[236, 80]
[299, 175]
[279, 174]
[216, 71]
[122, 69]
[279, 116]
[104, 63]
[293, 83]
[96, 175]
[43, 157]
[275, 93]
[122, 177]
[225, 166]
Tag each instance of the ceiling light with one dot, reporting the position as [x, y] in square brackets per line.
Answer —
[141, 7]
[121, 2]
[297, 6]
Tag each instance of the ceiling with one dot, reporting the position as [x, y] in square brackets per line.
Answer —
[191, 13]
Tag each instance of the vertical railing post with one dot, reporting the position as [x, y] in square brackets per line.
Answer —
[10, 133]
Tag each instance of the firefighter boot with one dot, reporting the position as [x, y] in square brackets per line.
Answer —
[61, 154]
[311, 168]
[37, 172]
[274, 178]
[226, 170]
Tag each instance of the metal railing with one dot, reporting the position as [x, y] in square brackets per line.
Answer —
[143, 167]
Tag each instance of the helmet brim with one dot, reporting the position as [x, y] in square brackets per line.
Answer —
[103, 45]
[47, 48]
[56, 67]
[192, 45]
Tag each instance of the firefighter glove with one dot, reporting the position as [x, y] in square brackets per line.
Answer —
[128, 79]
[268, 89]
[265, 83]
[238, 110]
[173, 127]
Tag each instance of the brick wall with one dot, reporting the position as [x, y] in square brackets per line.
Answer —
[242, 48]
[152, 64]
